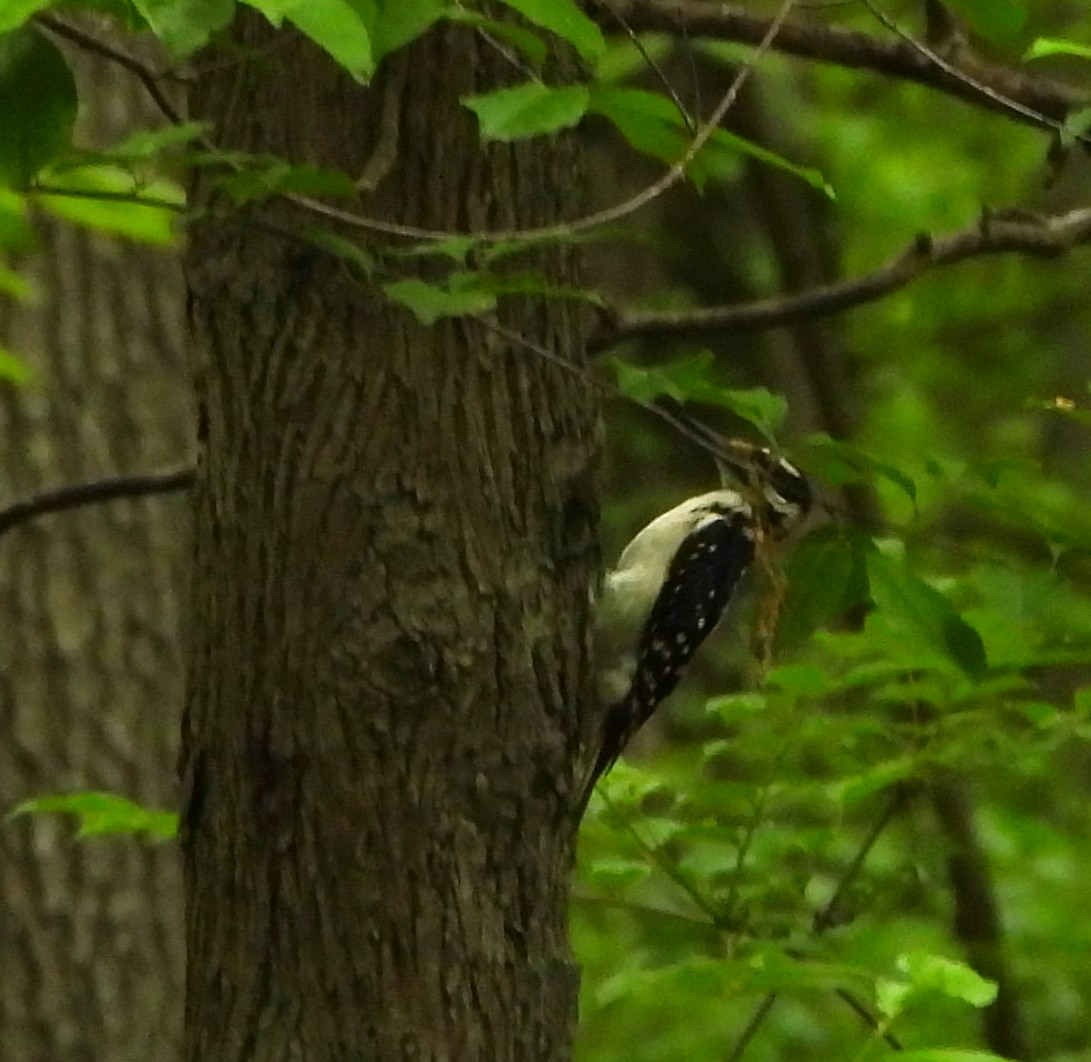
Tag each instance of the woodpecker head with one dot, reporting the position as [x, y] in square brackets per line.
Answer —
[786, 490]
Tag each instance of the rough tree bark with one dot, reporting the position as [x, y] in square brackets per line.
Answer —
[394, 546]
[90, 662]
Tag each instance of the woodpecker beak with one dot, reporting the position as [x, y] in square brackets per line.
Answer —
[786, 490]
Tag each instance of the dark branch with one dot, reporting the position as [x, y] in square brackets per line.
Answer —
[977, 916]
[147, 77]
[1041, 236]
[1039, 101]
[99, 490]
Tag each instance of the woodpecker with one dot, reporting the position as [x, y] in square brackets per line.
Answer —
[674, 581]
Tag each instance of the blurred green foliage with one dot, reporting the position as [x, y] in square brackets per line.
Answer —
[951, 645]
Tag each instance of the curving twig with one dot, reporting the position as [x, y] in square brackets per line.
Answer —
[90, 43]
[74, 495]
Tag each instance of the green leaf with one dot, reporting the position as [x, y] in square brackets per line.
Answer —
[342, 28]
[693, 378]
[922, 615]
[999, 20]
[827, 576]
[103, 813]
[13, 369]
[16, 235]
[566, 20]
[348, 250]
[936, 973]
[527, 42]
[799, 680]
[891, 996]
[14, 285]
[623, 60]
[280, 178]
[760, 407]
[37, 105]
[455, 248]
[723, 139]
[841, 462]
[1046, 46]
[147, 143]
[531, 109]
[185, 25]
[429, 302]
[614, 874]
[113, 201]
[652, 124]
[777, 972]
[15, 13]
[400, 22]
[876, 779]
[522, 284]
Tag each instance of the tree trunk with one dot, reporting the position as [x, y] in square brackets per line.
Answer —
[90, 661]
[393, 551]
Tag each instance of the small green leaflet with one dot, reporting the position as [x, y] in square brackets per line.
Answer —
[14, 13]
[279, 178]
[16, 235]
[429, 302]
[652, 124]
[694, 378]
[469, 293]
[112, 200]
[353, 254]
[400, 22]
[13, 369]
[614, 874]
[876, 779]
[1046, 46]
[566, 20]
[531, 109]
[37, 105]
[935, 974]
[146, 143]
[338, 27]
[527, 42]
[357, 33]
[104, 813]
[183, 26]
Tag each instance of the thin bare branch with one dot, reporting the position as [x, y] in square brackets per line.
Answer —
[89, 43]
[75, 495]
[1039, 100]
[1012, 232]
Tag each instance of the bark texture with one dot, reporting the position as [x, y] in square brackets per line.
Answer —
[90, 662]
[395, 539]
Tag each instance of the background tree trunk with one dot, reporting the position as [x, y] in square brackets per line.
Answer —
[90, 668]
[393, 552]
